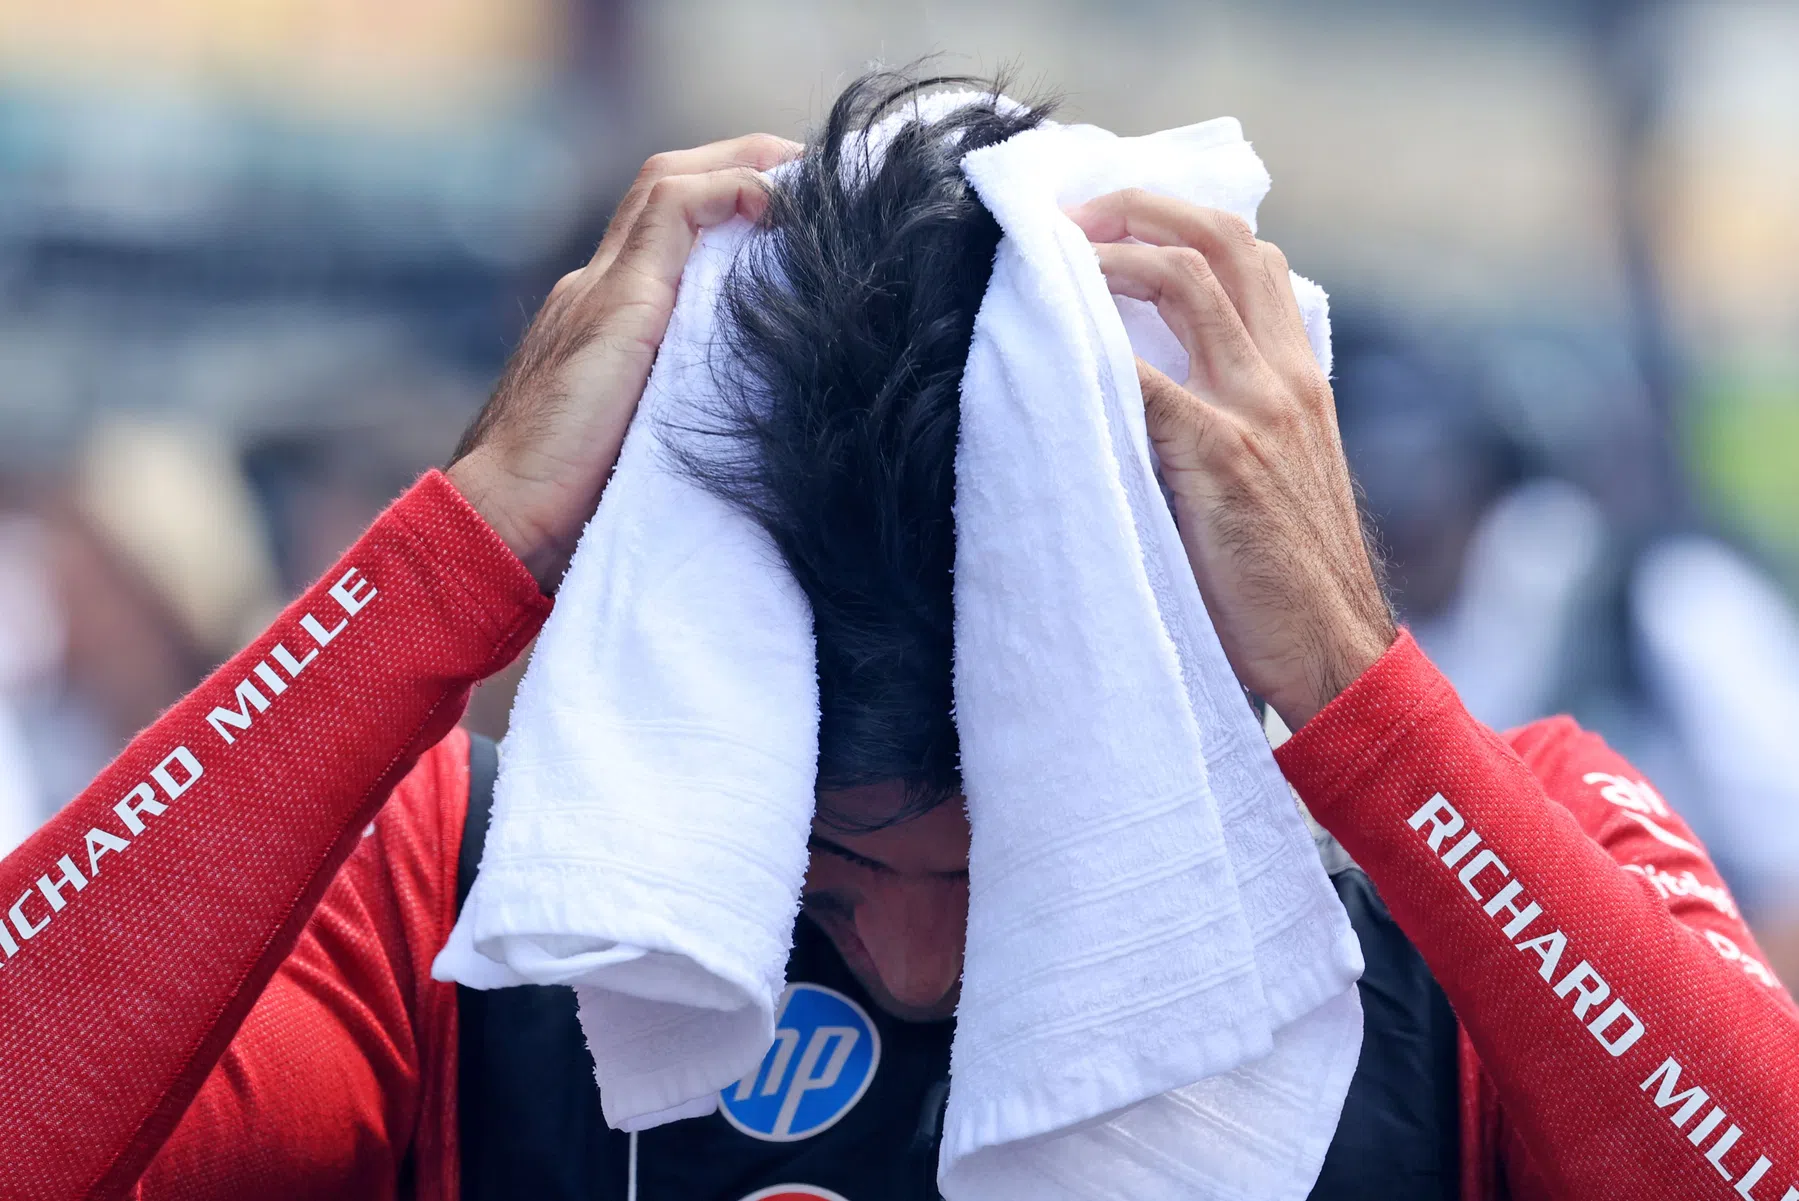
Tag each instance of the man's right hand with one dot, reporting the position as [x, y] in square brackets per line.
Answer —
[1248, 444]
[537, 458]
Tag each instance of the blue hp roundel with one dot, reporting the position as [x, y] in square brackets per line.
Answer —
[824, 1058]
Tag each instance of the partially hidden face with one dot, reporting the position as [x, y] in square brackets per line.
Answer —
[894, 901]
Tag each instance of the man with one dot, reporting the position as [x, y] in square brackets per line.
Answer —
[182, 1013]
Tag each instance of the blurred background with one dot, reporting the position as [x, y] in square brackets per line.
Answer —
[260, 260]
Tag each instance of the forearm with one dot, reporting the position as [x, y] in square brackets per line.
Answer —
[1575, 983]
[143, 921]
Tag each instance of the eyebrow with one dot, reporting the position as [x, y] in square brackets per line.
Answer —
[815, 843]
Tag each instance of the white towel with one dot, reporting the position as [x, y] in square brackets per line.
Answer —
[1159, 997]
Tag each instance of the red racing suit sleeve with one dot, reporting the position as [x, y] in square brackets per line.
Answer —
[1630, 1041]
[341, 1083]
[140, 925]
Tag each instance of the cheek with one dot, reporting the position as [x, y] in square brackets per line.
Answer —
[927, 919]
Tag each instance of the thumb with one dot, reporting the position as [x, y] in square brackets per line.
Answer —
[1182, 427]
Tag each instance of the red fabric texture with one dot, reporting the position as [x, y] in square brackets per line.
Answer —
[1632, 915]
[346, 1066]
[189, 971]
[120, 989]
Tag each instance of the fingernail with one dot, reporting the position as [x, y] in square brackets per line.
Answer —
[1079, 214]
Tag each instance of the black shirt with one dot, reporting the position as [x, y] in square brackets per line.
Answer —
[849, 1102]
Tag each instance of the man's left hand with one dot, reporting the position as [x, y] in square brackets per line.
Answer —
[1249, 448]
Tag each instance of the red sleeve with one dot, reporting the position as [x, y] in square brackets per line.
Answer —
[1623, 812]
[143, 921]
[1631, 1056]
[345, 1066]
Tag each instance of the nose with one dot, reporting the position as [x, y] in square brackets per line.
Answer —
[913, 931]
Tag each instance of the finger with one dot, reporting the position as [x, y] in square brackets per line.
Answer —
[1180, 283]
[637, 293]
[1226, 240]
[756, 151]
[1292, 351]
[1181, 426]
[1280, 275]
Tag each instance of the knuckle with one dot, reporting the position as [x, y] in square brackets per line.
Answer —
[765, 149]
[1273, 255]
[658, 166]
[1289, 410]
[1190, 264]
[1284, 417]
[668, 190]
[1236, 231]
[567, 284]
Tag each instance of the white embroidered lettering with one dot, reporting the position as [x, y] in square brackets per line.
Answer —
[1502, 901]
[292, 666]
[1707, 1124]
[1690, 1102]
[248, 697]
[1725, 1142]
[1623, 1042]
[101, 842]
[319, 633]
[267, 675]
[165, 778]
[1477, 865]
[1460, 849]
[1444, 821]
[181, 768]
[1635, 795]
[1549, 948]
[71, 879]
[354, 597]
[1575, 982]
[1746, 1186]
[146, 803]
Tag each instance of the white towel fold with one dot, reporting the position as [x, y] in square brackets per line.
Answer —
[1158, 999]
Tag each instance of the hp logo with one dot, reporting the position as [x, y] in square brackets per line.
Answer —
[824, 1058]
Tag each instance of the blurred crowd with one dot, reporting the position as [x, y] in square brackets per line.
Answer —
[254, 284]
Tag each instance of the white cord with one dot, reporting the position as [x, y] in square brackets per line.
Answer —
[631, 1170]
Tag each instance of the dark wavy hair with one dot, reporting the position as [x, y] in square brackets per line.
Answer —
[846, 324]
